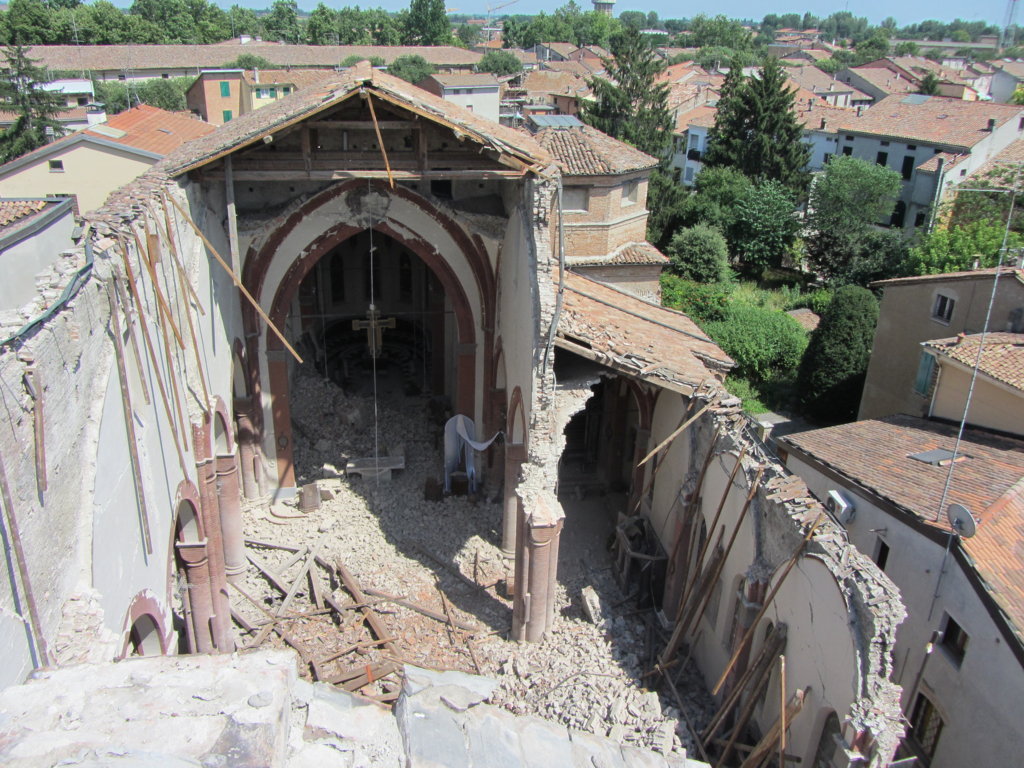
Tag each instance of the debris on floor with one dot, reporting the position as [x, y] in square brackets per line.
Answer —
[432, 576]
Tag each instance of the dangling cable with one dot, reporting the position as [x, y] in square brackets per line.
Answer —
[373, 361]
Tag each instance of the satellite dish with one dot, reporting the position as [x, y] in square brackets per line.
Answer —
[962, 520]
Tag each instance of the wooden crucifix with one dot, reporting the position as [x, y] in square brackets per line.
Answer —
[374, 326]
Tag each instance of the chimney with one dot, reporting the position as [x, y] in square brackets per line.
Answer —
[991, 125]
[824, 123]
[95, 115]
[256, 75]
[810, 105]
[860, 110]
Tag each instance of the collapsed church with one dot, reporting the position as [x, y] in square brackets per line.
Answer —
[388, 241]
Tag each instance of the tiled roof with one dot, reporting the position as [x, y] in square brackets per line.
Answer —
[808, 320]
[252, 127]
[631, 253]
[548, 81]
[562, 49]
[836, 118]
[1015, 68]
[577, 68]
[300, 78]
[874, 455]
[72, 115]
[949, 159]
[1004, 272]
[1001, 168]
[816, 81]
[629, 333]
[885, 79]
[139, 57]
[466, 79]
[153, 130]
[1002, 356]
[585, 151]
[12, 210]
[934, 119]
[699, 117]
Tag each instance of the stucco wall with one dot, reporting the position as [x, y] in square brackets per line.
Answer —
[90, 172]
[83, 535]
[979, 701]
[24, 260]
[993, 405]
[905, 320]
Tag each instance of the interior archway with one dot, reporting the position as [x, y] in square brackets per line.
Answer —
[144, 637]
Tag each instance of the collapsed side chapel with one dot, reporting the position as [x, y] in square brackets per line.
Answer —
[156, 396]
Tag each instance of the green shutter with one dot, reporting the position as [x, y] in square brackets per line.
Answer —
[225, 89]
[273, 93]
[924, 374]
[226, 114]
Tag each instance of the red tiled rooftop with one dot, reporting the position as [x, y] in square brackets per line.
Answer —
[1002, 355]
[153, 130]
[586, 151]
[875, 455]
[13, 210]
[934, 119]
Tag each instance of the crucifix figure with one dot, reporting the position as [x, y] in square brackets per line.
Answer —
[374, 327]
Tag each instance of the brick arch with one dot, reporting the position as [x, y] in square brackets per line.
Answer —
[259, 261]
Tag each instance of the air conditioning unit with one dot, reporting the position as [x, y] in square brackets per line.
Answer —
[840, 507]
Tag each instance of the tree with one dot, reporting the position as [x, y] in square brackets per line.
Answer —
[322, 27]
[717, 31]
[699, 253]
[428, 23]
[500, 63]
[906, 48]
[756, 130]
[628, 104]
[831, 376]
[716, 195]
[282, 23]
[846, 203]
[955, 249]
[929, 85]
[351, 61]
[249, 61]
[764, 226]
[411, 68]
[468, 34]
[35, 109]
[764, 342]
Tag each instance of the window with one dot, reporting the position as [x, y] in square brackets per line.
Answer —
[688, 176]
[225, 89]
[82, 100]
[226, 115]
[56, 166]
[884, 143]
[262, 93]
[630, 193]
[899, 214]
[882, 158]
[825, 158]
[954, 641]
[911, 147]
[923, 380]
[120, 77]
[943, 309]
[908, 167]
[286, 90]
[925, 726]
[919, 219]
[165, 76]
[847, 138]
[882, 550]
[1020, 125]
[575, 199]
[847, 151]
[273, 93]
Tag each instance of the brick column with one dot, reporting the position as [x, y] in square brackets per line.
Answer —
[515, 456]
[229, 504]
[199, 598]
[536, 570]
[248, 458]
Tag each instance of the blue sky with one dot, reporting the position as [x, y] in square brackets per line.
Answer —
[904, 12]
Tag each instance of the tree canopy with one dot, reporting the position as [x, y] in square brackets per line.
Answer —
[428, 23]
[411, 68]
[630, 105]
[500, 63]
[756, 130]
[35, 108]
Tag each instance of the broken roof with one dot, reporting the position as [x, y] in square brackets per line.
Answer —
[875, 456]
[586, 151]
[251, 128]
[633, 336]
[933, 119]
[1002, 355]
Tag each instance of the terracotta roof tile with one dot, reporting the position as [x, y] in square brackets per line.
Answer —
[12, 210]
[585, 151]
[577, 68]
[545, 81]
[153, 130]
[630, 253]
[1002, 356]
[875, 455]
[885, 79]
[137, 57]
[1002, 167]
[252, 127]
[934, 119]
[300, 78]
[464, 79]
[628, 332]
[808, 320]
[1004, 272]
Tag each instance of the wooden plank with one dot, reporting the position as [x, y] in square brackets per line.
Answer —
[238, 283]
[176, 258]
[371, 618]
[421, 609]
[380, 139]
[129, 419]
[364, 125]
[767, 602]
[123, 300]
[288, 638]
[161, 302]
[297, 584]
[768, 741]
[678, 431]
[34, 378]
[242, 174]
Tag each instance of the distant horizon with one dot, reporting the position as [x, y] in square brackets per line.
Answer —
[989, 11]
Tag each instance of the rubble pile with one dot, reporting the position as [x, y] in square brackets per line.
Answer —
[442, 556]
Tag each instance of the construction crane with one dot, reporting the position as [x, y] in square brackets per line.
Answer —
[490, 12]
[1006, 38]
